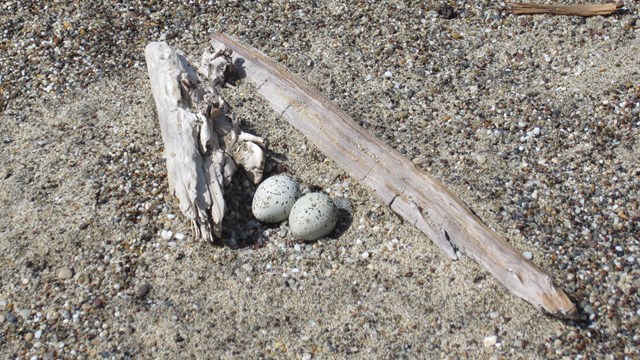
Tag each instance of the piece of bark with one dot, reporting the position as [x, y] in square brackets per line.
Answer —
[577, 10]
[203, 143]
[409, 191]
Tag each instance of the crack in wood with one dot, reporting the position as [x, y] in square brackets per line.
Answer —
[258, 86]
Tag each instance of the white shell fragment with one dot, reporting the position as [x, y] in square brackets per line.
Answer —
[313, 216]
[274, 198]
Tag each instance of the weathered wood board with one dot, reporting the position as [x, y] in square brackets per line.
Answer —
[410, 192]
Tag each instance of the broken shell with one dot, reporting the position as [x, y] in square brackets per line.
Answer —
[274, 198]
[313, 216]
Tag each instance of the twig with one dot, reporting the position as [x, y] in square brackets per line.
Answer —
[578, 10]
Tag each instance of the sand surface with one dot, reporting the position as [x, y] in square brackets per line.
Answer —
[532, 120]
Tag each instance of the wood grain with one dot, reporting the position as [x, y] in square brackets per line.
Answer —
[410, 192]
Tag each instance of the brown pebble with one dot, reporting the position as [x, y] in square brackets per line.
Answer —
[28, 336]
[142, 291]
[98, 302]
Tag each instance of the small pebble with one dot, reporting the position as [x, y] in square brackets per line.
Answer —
[528, 255]
[25, 313]
[490, 341]
[28, 336]
[65, 274]
[142, 291]
[166, 234]
[11, 318]
[1, 318]
[38, 334]
[306, 356]
[481, 159]
[98, 302]
[247, 267]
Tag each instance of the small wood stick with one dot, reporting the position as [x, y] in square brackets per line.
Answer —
[578, 10]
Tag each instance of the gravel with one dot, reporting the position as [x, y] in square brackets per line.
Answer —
[532, 120]
[65, 274]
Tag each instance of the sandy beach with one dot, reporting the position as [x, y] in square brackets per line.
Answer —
[532, 120]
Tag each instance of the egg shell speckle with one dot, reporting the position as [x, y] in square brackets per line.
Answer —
[274, 198]
[313, 216]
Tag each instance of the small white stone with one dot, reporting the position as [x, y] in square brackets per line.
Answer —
[388, 74]
[166, 234]
[490, 341]
[528, 255]
[65, 274]
[25, 313]
[180, 236]
[38, 334]
[364, 255]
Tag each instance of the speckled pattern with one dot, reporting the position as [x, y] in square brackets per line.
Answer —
[274, 198]
[532, 120]
[313, 216]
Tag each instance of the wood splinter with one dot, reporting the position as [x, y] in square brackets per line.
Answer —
[409, 191]
[576, 10]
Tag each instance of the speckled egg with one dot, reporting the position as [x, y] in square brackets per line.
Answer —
[274, 198]
[313, 216]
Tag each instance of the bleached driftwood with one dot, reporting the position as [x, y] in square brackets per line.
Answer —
[203, 143]
[577, 10]
[409, 191]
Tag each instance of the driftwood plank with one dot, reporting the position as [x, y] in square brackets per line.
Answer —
[577, 10]
[419, 198]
